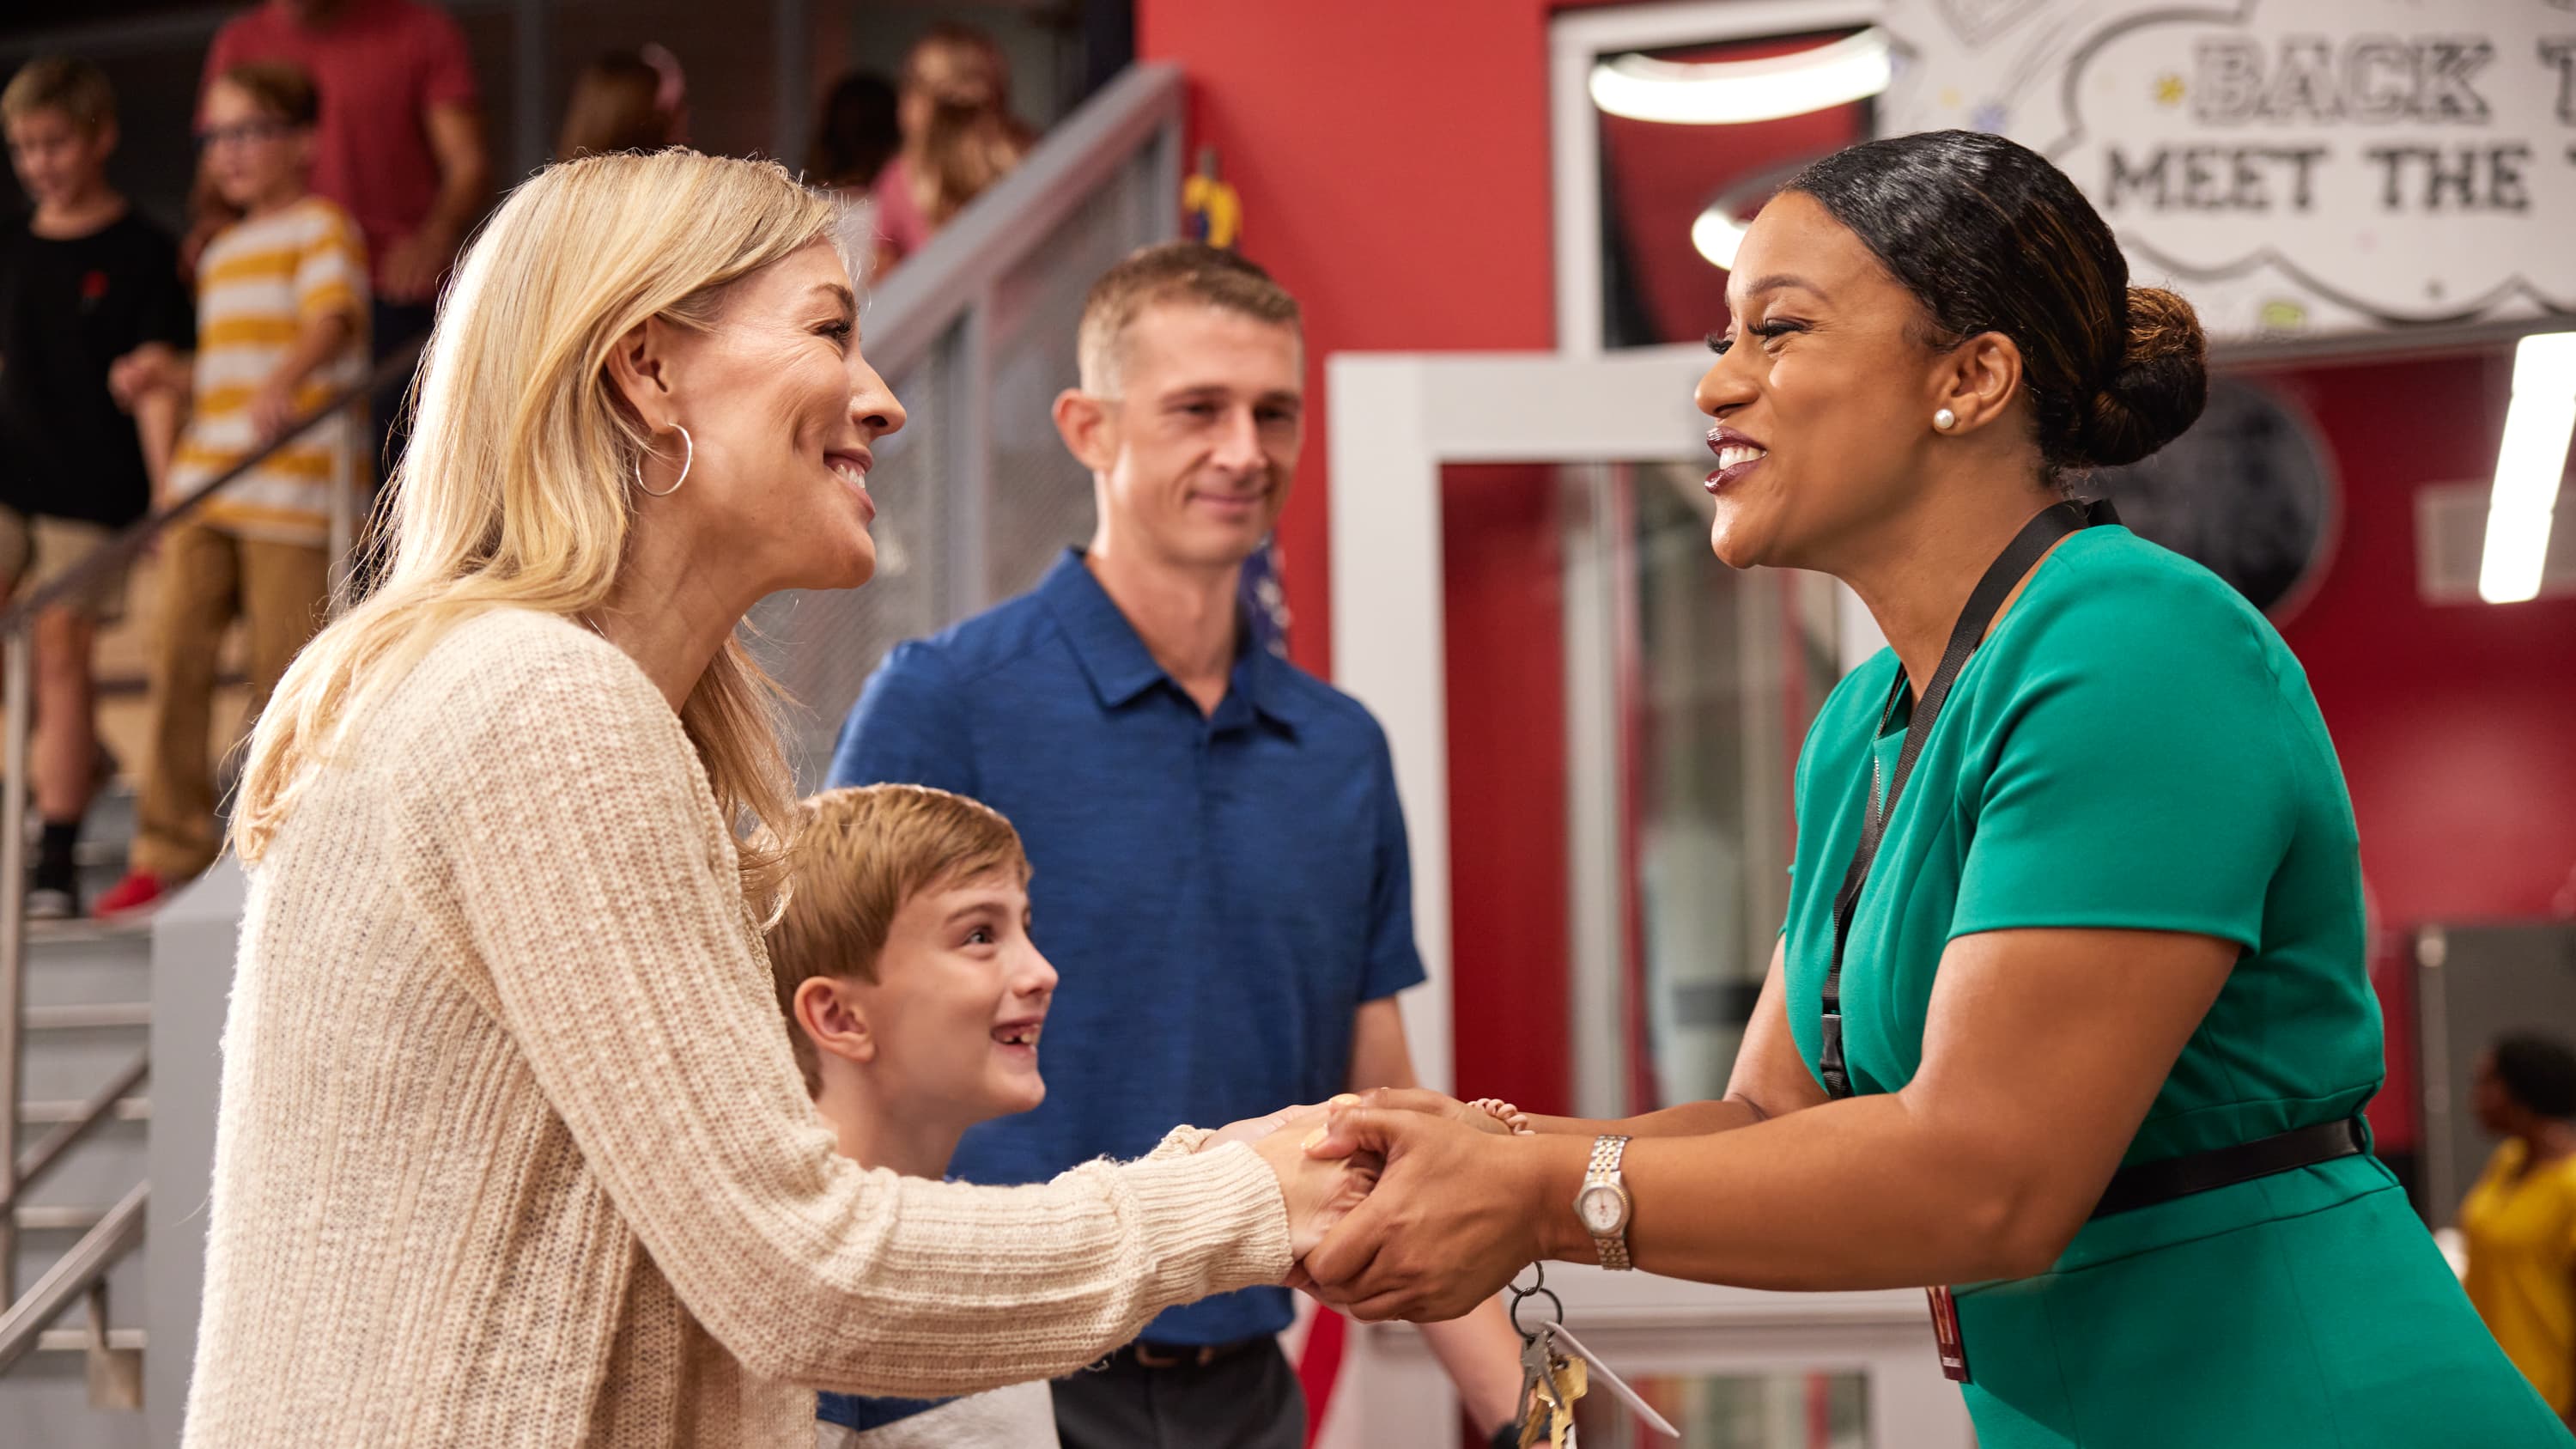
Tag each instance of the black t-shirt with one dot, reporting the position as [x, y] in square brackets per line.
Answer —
[68, 308]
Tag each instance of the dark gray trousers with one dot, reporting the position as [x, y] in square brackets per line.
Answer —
[1249, 1401]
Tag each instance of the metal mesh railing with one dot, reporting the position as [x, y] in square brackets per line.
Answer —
[821, 646]
[1041, 496]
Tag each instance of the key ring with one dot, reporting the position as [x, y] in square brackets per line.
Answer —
[1537, 1289]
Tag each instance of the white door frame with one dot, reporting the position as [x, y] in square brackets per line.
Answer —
[1396, 419]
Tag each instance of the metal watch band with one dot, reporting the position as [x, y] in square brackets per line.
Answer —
[1607, 1152]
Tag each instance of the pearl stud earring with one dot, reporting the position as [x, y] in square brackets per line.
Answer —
[1945, 420]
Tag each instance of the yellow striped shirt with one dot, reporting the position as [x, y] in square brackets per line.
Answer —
[259, 282]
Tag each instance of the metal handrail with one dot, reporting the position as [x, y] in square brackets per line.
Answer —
[117, 553]
[117, 1234]
[40, 1159]
[17, 676]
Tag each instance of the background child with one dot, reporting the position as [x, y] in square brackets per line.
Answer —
[84, 281]
[914, 997]
[281, 309]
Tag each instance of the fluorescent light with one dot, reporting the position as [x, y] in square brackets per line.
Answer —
[1717, 235]
[1717, 93]
[2529, 463]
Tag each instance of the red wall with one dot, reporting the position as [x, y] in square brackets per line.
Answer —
[1393, 165]
[1392, 160]
[2452, 720]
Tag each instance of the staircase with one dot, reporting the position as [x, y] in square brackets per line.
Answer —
[87, 1023]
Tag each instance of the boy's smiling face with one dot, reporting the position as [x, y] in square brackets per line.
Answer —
[58, 160]
[960, 995]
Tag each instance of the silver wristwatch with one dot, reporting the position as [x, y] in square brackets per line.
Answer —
[1602, 1202]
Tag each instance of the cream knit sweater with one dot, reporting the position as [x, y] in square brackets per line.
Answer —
[511, 1147]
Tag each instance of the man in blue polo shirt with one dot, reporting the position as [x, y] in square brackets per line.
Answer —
[1220, 872]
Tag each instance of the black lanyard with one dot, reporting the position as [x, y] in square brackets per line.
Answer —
[2016, 560]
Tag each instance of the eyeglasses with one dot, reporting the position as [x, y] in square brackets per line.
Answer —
[241, 133]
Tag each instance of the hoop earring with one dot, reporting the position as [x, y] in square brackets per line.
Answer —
[687, 458]
[1945, 420]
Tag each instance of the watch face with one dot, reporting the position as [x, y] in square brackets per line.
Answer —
[1603, 1208]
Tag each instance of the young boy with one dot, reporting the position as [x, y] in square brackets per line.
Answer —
[281, 321]
[914, 998]
[85, 282]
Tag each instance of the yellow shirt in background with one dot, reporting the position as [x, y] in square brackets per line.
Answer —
[258, 283]
[2521, 1233]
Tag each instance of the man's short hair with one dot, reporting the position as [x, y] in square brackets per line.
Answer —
[858, 855]
[1175, 271]
[280, 87]
[62, 83]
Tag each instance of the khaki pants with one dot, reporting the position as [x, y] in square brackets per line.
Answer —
[208, 579]
[36, 551]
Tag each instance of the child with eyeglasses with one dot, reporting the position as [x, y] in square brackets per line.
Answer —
[281, 325]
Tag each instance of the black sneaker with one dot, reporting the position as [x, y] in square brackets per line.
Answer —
[53, 889]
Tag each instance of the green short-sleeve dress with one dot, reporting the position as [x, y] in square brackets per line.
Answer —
[2134, 747]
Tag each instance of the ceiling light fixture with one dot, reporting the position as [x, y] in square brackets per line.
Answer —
[2529, 464]
[1726, 92]
[1716, 235]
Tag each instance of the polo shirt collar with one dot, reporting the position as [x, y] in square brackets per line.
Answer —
[1114, 658]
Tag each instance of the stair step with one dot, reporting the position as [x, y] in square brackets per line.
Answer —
[48, 1111]
[86, 928]
[59, 1219]
[75, 1340]
[88, 1016]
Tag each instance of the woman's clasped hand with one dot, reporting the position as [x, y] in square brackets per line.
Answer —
[1403, 1204]
[1318, 1191]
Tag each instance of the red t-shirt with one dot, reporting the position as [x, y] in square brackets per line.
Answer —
[380, 66]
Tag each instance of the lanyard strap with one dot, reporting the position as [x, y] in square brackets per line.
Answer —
[2035, 539]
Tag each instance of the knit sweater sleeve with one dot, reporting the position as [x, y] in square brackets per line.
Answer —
[567, 839]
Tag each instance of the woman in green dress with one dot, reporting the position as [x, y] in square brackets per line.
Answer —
[2070, 1011]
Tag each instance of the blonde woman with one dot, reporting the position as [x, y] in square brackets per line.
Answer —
[511, 1147]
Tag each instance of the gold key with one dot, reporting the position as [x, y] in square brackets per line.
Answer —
[1569, 1380]
[1549, 1417]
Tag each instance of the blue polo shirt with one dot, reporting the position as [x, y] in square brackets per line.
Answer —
[1219, 893]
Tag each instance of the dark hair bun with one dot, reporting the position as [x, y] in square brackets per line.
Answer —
[2158, 389]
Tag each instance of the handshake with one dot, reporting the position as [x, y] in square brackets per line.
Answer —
[1405, 1203]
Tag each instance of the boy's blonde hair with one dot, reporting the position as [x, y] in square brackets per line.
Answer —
[62, 83]
[517, 489]
[856, 856]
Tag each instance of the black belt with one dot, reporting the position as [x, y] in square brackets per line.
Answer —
[1161, 1356]
[2146, 1184]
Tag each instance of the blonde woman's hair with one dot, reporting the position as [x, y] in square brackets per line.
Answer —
[859, 855]
[516, 489]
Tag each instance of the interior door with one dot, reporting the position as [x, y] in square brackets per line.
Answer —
[1593, 725]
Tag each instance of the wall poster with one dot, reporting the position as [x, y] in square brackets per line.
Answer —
[2295, 167]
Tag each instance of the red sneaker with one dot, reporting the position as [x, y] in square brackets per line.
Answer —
[140, 891]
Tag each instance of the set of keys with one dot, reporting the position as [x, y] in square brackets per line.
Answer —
[1551, 1382]
[1557, 1371]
